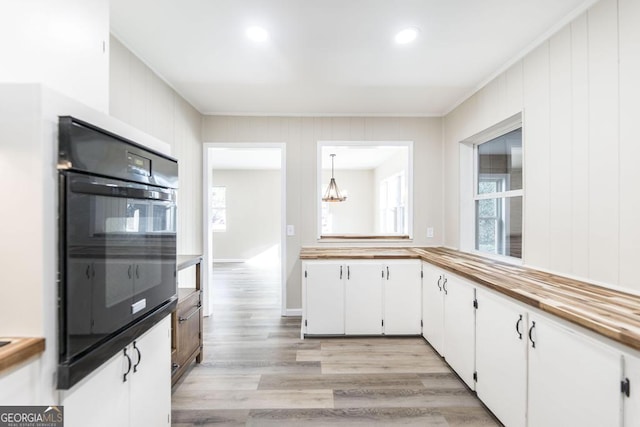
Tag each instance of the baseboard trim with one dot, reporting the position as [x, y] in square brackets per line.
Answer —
[293, 312]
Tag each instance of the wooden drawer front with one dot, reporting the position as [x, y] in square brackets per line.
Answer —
[188, 328]
[188, 304]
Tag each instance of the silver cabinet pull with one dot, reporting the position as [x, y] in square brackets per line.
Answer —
[184, 319]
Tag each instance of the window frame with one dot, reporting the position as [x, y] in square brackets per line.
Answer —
[386, 209]
[500, 196]
[223, 228]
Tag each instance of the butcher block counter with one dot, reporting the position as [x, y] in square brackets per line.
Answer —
[613, 314]
[18, 350]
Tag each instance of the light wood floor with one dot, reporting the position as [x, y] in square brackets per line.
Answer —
[258, 372]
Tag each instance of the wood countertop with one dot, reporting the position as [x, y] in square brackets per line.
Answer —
[18, 350]
[611, 313]
[358, 253]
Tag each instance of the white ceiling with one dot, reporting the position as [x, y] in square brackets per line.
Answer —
[333, 57]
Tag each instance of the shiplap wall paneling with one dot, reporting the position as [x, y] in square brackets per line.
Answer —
[560, 214]
[604, 187]
[300, 134]
[536, 157]
[139, 97]
[580, 148]
[514, 88]
[629, 17]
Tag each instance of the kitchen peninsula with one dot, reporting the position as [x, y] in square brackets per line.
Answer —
[537, 348]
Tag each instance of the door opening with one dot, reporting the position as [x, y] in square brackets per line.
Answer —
[244, 211]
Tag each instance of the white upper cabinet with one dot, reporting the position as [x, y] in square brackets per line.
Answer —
[62, 44]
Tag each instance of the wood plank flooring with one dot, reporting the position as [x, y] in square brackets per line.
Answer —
[258, 372]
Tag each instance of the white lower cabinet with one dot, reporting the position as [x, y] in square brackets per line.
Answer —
[459, 327]
[448, 314]
[631, 397]
[534, 371]
[324, 299]
[361, 297]
[573, 380]
[402, 307]
[433, 307]
[501, 357]
[141, 398]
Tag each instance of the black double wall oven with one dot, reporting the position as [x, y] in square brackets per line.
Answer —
[117, 244]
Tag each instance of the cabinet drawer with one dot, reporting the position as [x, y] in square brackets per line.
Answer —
[188, 317]
[187, 305]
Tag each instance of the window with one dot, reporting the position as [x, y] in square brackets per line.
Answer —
[219, 209]
[498, 195]
[393, 201]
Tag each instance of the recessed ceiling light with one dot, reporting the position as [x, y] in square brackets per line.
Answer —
[407, 35]
[257, 34]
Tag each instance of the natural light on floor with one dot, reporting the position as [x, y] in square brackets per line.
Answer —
[267, 258]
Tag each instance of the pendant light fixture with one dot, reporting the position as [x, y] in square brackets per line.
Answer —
[333, 194]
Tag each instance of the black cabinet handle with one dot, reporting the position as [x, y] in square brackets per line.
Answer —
[348, 273]
[387, 272]
[518, 327]
[340, 272]
[88, 272]
[135, 367]
[137, 271]
[444, 285]
[124, 378]
[129, 272]
[533, 343]
[439, 280]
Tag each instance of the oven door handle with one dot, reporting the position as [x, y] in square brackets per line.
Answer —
[111, 190]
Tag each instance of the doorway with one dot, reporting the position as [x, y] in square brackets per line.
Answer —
[244, 204]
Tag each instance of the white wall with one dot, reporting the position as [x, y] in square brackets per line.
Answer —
[63, 44]
[356, 214]
[253, 213]
[301, 135]
[580, 95]
[139, 97]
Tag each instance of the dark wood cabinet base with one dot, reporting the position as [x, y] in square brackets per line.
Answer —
[186, 321]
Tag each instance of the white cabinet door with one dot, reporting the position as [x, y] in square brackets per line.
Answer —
[103, 392]
[363, 298]
[433, 307]
[144, 399]
[324, 298]
[151, 377]
[402, 305]
[573, 381]
[459, 327]
[501, 357]
[632, 402]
